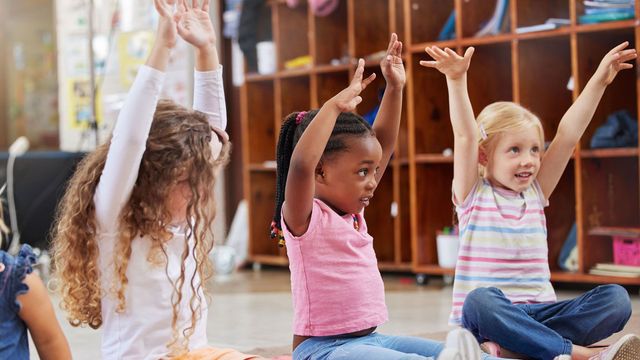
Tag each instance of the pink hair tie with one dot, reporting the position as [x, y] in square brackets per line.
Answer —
[300, 116]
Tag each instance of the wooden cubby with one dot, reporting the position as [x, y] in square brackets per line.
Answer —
[600, 187]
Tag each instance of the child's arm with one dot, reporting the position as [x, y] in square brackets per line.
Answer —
[577, 118]
[166, 36]
[37, 312]
[387, 120]
[465, 148]
[308, 151]
[194, 26]
[134, 121]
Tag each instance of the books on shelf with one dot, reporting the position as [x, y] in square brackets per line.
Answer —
[448, 31]
[604, 17]
[610, 269]
[494, 25]
[550, 24]
[597, 11]
[609, 3]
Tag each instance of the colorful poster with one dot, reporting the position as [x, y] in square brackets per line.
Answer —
[133, 50]
[79, 105]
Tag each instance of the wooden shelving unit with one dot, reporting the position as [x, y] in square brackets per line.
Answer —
[600, 187]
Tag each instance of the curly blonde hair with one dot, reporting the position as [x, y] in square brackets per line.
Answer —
[178, 145]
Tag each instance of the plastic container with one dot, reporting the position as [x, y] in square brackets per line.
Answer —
[266, 57]
[626, 250]
[448, 245]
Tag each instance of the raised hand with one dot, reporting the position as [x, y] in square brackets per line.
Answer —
[391, 65]
[448, 62]
[167, 32]
[614, 61]
[194, 24]
[349, 98]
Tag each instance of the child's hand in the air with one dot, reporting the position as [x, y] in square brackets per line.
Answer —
[391, 66]
[347, 99]
[167, 34]
[448, 62]
[194, 24]
[614, 61]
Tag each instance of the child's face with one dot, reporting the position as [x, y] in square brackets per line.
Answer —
[514, 161]
[347, 180]
[179, 197]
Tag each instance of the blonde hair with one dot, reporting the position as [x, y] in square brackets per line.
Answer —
[178, 143]
[501, 117]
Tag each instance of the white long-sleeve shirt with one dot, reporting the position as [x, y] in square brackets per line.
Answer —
[143, 330]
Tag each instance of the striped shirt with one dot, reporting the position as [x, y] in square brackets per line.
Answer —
[503, 244]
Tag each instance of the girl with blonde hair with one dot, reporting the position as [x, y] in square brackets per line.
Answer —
[502, 291]
[134, 227]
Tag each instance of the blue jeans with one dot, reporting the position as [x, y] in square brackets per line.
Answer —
[369, 347]
[543, 331]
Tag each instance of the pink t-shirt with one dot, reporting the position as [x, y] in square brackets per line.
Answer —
[335, 281]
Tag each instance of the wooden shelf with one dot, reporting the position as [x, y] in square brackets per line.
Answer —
[305, 71]
[274, 260]
[394, 267]
[609, 153]
[326, 69]
[593, 279]
[255, 77]
[433, 159]
[606, 26]
[532, 69]
[261, 167]
[433, 270]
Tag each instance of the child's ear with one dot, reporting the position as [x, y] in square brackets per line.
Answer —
[483, 158]
[320, 173]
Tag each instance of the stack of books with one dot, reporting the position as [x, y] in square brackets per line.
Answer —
[597, 11]
[609, 269]
[550, 24]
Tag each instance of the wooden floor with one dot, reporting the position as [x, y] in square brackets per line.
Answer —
[251, 311]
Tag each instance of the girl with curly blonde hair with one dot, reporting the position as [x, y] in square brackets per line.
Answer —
[133, 232]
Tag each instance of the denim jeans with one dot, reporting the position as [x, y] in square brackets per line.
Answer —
[369, 347]
[543, 331]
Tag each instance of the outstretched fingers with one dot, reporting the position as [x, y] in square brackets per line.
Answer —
[469, 52]
[368, 80]
[162, 8]
[359, 73]
[618, 48]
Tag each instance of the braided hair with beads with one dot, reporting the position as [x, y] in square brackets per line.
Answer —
[347, 125]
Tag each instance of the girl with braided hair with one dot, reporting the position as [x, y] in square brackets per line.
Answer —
[329, 163]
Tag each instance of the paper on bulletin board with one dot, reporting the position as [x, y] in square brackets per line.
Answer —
[133, 50]
[79, 103]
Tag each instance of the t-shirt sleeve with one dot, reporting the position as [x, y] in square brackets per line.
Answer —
[208, 98]
[314, 224]
[12, 277]
[536, 187]
[467, 202]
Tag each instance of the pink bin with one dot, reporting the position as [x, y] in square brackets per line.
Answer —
[626, 250]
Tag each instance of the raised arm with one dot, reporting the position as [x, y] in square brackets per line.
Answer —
[194, 26]
[308, 151]
[465, 134]
[134, 121]
[577, 118]
[387, 122]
